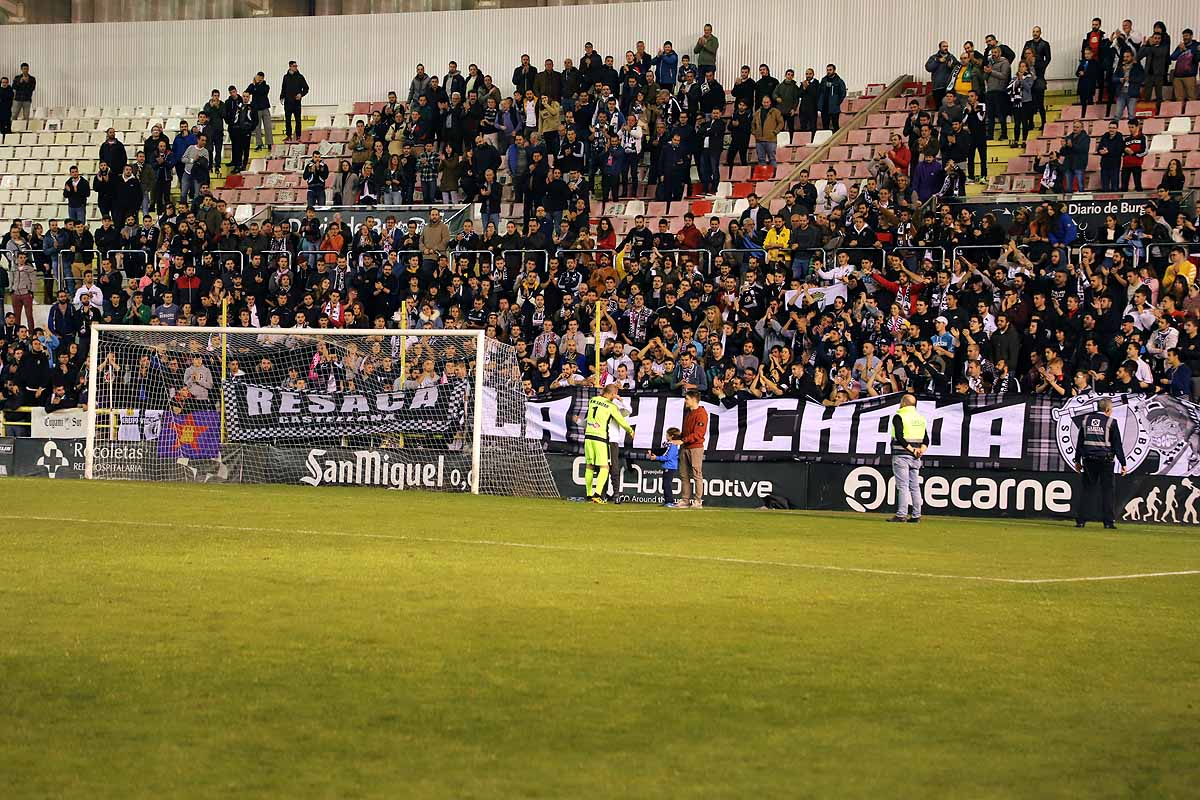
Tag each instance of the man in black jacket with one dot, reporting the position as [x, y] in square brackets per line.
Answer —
[589, 66]
[292, 89]
[24, 86]
[242, 122]
[712, 95]
[258, 94]
[711, 138]
[524, 76]
[112, 152]
[76, 193]
[216, 128]
[127, 196]
[7, 97]
[315, 175]
[765, 85]
[810, 93]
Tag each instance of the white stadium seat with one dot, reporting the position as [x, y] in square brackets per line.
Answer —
[1161, 143]
[1180, 125]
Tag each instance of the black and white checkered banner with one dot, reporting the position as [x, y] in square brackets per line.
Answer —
[255, 413]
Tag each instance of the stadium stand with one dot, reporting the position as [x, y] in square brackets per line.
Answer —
[855, 265]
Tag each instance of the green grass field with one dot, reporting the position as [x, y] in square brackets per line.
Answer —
[364, 643]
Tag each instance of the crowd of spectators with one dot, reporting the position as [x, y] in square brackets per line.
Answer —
[855, 290]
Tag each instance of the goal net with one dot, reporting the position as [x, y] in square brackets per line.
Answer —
[439, 410]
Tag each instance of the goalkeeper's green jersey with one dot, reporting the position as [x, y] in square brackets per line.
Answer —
[600, 412]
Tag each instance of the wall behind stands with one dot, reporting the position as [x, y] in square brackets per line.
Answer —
[360, 57]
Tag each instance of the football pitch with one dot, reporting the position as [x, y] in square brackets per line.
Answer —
[262, 641]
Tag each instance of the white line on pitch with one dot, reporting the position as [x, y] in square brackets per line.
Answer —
[613, 552]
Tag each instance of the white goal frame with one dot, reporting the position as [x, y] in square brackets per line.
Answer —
[477, 403]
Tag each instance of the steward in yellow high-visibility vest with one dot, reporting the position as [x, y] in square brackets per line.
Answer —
[910, 437]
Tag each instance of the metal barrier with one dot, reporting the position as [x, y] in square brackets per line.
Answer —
[380, 260]
[1164, 248]
[312, 256]
[10, 265]
[997, 248]
[707, 257]
[758, 253]
[6, 423]
[541, 262]
[1129, 247]
[612, 254]
[119, 263]
[241, 258]
[796, 257]
[456, 254]
[934, 248]
[62, 272]
[876, 253]
[271, 256]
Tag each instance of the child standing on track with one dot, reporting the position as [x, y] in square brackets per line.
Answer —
[670, 461]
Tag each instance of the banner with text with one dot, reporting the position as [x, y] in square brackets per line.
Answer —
[256, 412]
[69, 423]
[1161, 435]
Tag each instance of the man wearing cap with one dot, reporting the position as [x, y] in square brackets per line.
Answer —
[1098, 444]
[910, 438]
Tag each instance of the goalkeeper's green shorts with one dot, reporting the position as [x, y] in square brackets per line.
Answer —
[595, 452]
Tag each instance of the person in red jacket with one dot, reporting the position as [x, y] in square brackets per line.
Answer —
[1135, 154]
[907, 287]
[689, 236]
[691, 452]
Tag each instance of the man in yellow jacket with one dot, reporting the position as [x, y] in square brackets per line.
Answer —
[1180, 267]
[777, 241]
[765, 125]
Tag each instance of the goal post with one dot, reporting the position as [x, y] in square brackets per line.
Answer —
[430, 409]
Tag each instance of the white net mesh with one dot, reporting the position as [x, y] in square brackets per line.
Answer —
[315, 407]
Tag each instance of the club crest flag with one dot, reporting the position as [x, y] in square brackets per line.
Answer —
[195, 434]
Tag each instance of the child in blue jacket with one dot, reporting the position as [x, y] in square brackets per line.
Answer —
[670, 463]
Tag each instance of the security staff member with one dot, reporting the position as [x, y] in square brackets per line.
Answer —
[910, 438]
[1098, 444]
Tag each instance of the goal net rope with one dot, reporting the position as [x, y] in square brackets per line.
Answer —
[439, 410]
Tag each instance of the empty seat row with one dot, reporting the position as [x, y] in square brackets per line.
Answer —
[95, 112]
[58, 169]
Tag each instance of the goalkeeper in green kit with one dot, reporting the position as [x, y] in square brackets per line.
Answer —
[602, 409]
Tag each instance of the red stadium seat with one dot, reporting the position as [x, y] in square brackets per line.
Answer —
[741, 190]
[1154, 125]
[656, 209]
